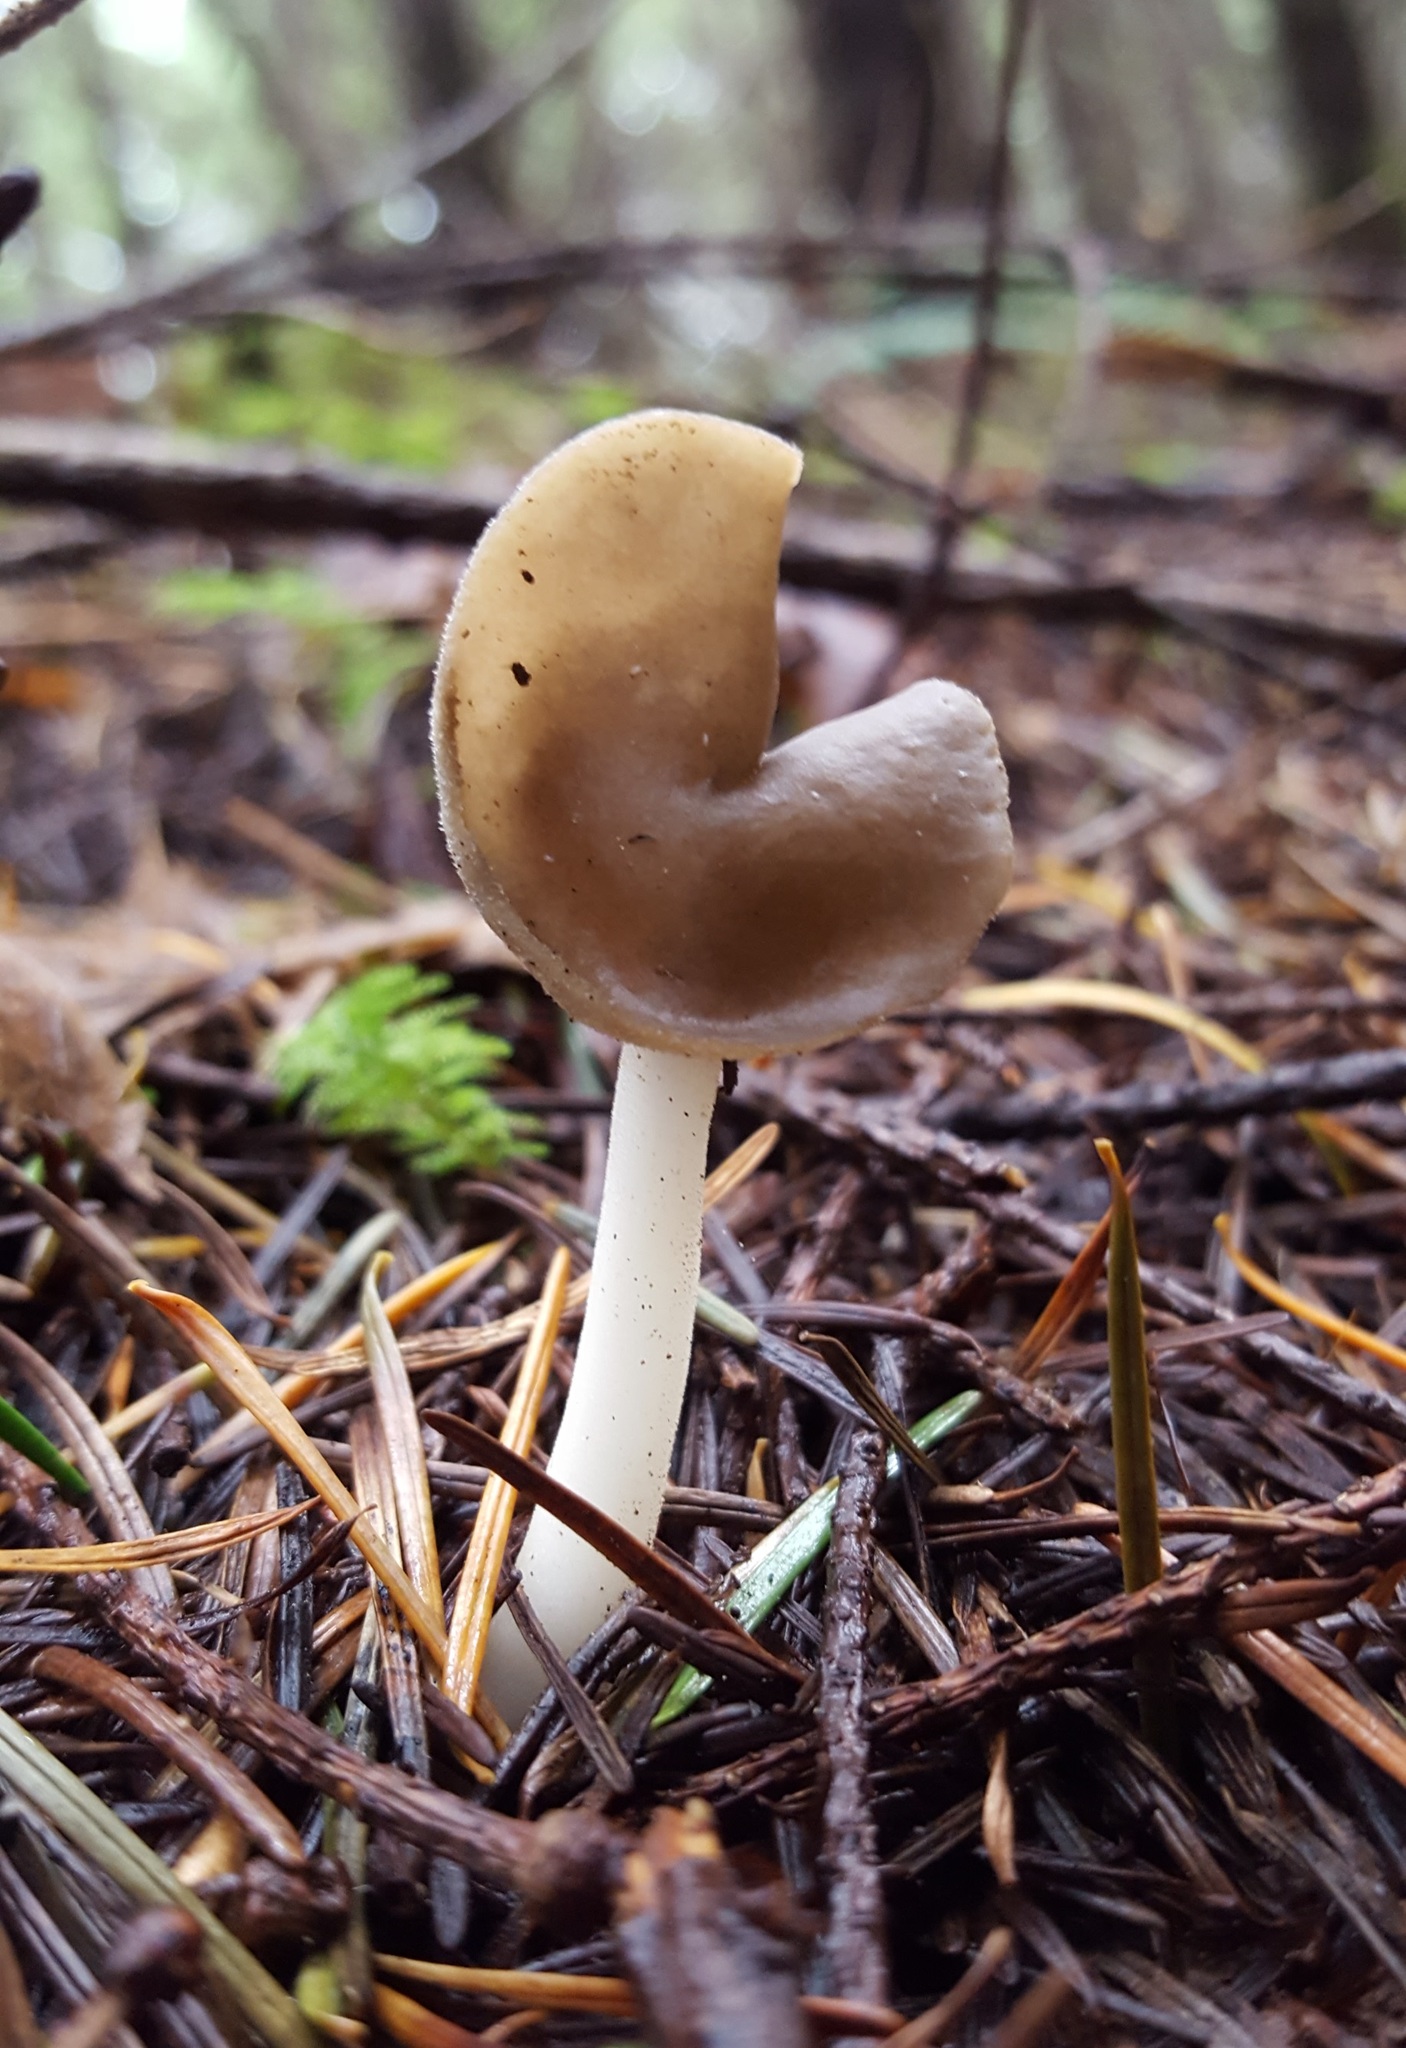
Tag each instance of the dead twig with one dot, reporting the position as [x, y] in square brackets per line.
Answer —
[25, 18]
[856, 1947]
[1147, 1105]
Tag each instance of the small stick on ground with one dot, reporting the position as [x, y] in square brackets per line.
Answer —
[855, 1950]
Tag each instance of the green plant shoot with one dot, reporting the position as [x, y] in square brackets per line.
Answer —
[1134, 1462]
[21, 1435]
[762, 1581]
[390, 1055]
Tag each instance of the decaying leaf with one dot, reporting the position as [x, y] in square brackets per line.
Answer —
[54, 1066]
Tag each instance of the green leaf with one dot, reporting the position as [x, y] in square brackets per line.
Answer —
[390, 1055]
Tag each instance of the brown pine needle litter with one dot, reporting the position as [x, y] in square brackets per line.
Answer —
[402, 1445]
[1202, 961]
[243, 1381]
[1337, 1327]
[177, 1546]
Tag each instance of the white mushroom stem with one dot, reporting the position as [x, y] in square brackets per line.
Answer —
[627, 1389]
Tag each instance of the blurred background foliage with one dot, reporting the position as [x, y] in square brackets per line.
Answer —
[1199, 154]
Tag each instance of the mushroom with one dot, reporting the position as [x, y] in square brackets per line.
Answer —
[604, 696]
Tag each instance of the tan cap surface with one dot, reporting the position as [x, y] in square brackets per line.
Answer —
[606, 687]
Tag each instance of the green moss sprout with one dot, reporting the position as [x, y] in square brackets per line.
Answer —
[391, 1055]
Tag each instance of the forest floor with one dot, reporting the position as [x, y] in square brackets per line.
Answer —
[940, 1818]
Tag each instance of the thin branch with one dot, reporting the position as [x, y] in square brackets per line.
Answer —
[948, 525]
[27, 17]
[1294, 1085]
[454, 131]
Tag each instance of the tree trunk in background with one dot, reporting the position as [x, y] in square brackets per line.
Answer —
[1334, 115]
[437, 59]
[440, 64]
[900, 101]
[289, 94]
[1080, 48]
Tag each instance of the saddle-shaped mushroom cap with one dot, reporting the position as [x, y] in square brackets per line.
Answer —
[605, 692]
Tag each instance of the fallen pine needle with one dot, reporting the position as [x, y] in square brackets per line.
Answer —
[240, 1979]
[1322, 1319]
[297, 1386]
[242, 1379]
[939, 2020]
[1056, 992]
[1073, 1295]
[1117, 999]
[177, 1546]
[739, 1166]
[403, 1443]
[194, 1380]
[556, 1990]
[414, 2025]
[318, 1369]
[199, 1760]
[1337, 1709]
[473, 1609]
[610, 1997]
[114, 1491]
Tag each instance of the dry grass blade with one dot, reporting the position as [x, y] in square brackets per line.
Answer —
[177, 1546]
[1307, 1311]
[242, 1379]
[113, 1490]
[473, 1608]
[402, 1444]
[255, 1999]
[197, 1759]
[1337, 1709]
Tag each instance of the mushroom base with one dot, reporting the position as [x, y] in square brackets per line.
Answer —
[627, 1388]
